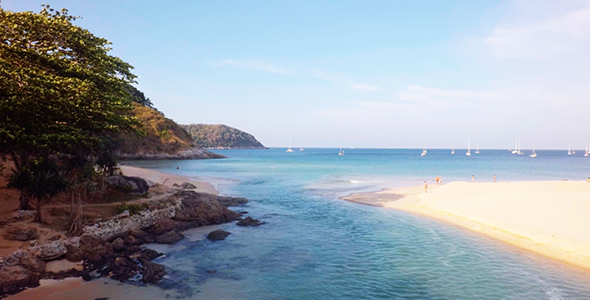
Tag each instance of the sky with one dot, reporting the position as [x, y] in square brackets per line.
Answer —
[365, 74]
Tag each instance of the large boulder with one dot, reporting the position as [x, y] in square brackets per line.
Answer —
[119, 245]
[53, 250]
[16, 278]
[218, 235]
[162, 226]
[93, 249]
[170, 237]
[202, 209]
[128, 184]
[152, 272]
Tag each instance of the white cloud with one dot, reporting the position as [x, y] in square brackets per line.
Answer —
[253, 65]
[365, 87]
[545, 39]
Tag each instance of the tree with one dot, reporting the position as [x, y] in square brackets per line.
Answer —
[40, 179]
[60, 90]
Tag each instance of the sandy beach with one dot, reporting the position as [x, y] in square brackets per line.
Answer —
[168, 179]
[549, 218]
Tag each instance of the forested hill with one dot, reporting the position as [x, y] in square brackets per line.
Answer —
[163, 138]
[221, 137]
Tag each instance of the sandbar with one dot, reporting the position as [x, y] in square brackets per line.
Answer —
[551, 218]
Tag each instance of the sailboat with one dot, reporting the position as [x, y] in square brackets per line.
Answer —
[424, 151]
[289, 150]
[515, 151]
[341, 152]
[477, 149]
[301, 147]
[534, 154]
[453, 151]
[468, 148]
[569, 149]
[519, 149]
[586, 154]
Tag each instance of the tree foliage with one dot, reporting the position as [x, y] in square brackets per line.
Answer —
[221, 136]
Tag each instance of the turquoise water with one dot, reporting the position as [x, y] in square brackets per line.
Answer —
[315, 246]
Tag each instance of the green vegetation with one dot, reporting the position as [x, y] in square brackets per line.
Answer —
[131, 208]
[221, 137]
[62, 97]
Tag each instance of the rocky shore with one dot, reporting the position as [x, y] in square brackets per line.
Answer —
[192, 153]
[113, 247]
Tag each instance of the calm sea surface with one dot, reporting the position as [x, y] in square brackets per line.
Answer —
[315, 246]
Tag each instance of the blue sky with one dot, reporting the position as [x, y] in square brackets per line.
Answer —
[359, 73]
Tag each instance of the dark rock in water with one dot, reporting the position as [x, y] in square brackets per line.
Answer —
[170, 237]
[203, 209]
[93, 249]
[248, 221]
[21, 234]
[188, 186]
[15, 279]
[231, 201]
[218, 235]
[152, 272]
[149, 254]
[162, 226]
[124, 269]
[119, 245]
[53, 250]
[211, 271]
[128, 184]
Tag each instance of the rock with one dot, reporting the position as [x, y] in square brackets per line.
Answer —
[152, 272]
[128, 184]
[124, 269]
[133, 249]
[92, 248]
[142, 235]
[231, 201]
[170, 237]
[74, 253]
[51, 251]
[218, 235]
[188, 186]
[203, 209]
[149, 254]
[130, 240]
[118, 245]
[34, 264]
[21, 234]
[15, 279]
[162, 226]
[248, 221]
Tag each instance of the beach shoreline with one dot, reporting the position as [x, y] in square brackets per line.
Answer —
[545, 217]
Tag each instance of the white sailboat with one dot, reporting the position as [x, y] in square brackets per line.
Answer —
[301, 147]
[289, 150]
[341, 152]
[477, 149]
[586, 154]
[468, 148]
[515, 151]
[569, 149]
[534, 154]
[453, 151]
[424, 151]
[519, 150]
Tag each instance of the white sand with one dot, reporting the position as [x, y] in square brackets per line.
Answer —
[550, 218]
[168, 179]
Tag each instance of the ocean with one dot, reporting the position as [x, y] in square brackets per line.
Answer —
[316, 246]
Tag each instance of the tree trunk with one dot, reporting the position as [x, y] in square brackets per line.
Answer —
[38, 218]
[24, 202]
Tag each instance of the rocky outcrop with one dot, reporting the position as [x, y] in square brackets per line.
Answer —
[221, 137]
[128, 184]
[249, 222]
[21, 234]
[231, 201]
[218, 235]
[111, 248]
[191, 153]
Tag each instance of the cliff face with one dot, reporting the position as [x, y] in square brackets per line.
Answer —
[164, 139]
[221, 137]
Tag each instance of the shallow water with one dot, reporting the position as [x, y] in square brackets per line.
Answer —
[315, 246]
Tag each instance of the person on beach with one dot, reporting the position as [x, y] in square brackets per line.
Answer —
[425, 187]
[436, 179]
[472, 178]
[494, 178]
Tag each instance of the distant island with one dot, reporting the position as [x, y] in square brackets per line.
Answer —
[221, 137]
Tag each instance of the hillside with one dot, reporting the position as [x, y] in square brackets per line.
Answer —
[221, 137]
[163, 139]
